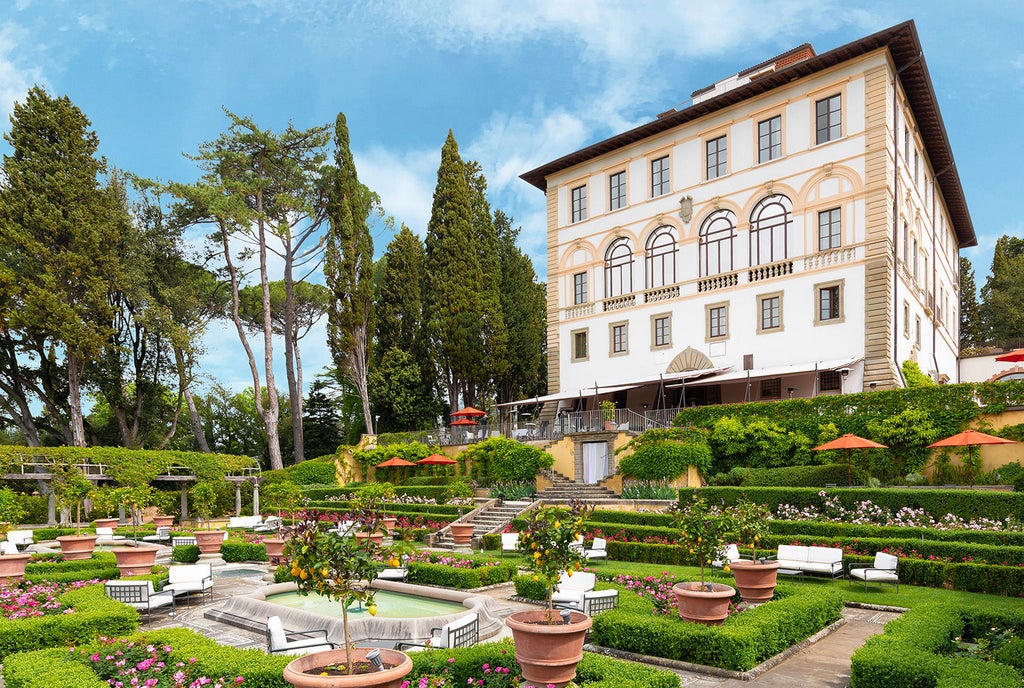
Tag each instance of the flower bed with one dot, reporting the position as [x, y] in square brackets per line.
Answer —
[37, 599]
[146, 665]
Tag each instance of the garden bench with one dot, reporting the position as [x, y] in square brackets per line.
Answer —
[826, 561]
[462, 632]
[244, 521]
[140, 595]
[281, 643]
[185, 579]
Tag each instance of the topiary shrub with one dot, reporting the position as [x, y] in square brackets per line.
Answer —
[531, 589]
[504, 460]
[313, 472]
[1011, 654]
[234, 551]
[185, 554]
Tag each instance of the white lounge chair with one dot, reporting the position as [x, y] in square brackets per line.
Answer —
[599, 550]
[281, 643]
[163, 534]
[20, 538]
[462, 632]
[883, 570]
[727, 555]
[271, 525]
[185, 579]
[570, 589]
[593, 602]
[105, 536]
[140, 595]
[509, 543]
[8, 548]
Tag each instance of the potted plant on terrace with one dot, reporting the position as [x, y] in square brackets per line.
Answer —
[136, 559]
[550, 645]
[702, 531]
[340, 569]
[755, 578]
[70, 488]
[608, 413]
[12, 566]
[204, 499]
[279, 497]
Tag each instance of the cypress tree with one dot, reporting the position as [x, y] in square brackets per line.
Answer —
[1003, 294]
[970, 316]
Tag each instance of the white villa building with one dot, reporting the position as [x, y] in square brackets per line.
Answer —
[793, 232]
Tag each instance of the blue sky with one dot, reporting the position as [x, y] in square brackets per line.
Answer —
[519, 83]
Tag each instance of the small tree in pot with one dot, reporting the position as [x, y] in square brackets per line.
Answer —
[70, 488]
[702, 533]
[755, 578]
[335, 567]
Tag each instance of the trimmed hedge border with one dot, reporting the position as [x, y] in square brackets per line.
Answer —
[464, 579]
[740, 644]
[234, 550]
[913, 651]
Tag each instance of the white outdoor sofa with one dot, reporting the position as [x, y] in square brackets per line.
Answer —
[827, 561]
[185, 579]
[245, 521]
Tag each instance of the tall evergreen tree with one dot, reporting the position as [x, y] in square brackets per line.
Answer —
[60, 235]
[523, 304]
[323, 419]
[970, 314]
[453, 279]
[348, 267]
[1003, 294]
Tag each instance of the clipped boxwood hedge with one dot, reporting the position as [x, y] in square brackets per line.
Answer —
[966, 504]
[463, 579]
[741, 643]
[95, 614]
[914, 652]
[1006, 538]
[234, 551]
[797, 476]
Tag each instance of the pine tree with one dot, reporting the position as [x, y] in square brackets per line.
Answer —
[60, 238]
[348, 267]
[453, 279]
[970, 316]
[1003, 294]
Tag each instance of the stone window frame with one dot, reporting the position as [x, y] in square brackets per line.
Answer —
[574, 349]
[761, 298]
[654, 331]
[708, 307]
[841, 284]
[611, 338]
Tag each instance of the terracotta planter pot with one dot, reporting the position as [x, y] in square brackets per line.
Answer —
[697, 604]
[275, 550]
[209, 541]
[135, 561]
[388, 524]
[362, 539]
[462, 533]
[392, 677]
[548, 653]
[12, 567]
[754, 580]
[377, 538]
[163, 521]
[77, 547]
[107, 522]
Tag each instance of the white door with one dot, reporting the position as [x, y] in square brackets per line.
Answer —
[595, 461]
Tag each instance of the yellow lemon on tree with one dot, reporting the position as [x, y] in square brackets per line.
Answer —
[691, 550]
[393, 562]
[558, 524]
[325, 572]
[536, 577]
[372, 609]
[569, 573]
[303, 575]
[726, 568]
[536, 555]
[700, 539]
[577, 566]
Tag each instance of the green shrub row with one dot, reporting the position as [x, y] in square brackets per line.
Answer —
[440, 511]
[531, 587]
[909, 547]
[1006, 538]
[966, 504]
[797, 476]
[95, 614]
[741, 643]
[463, 579]
[235, 551]
[187, 554]
[51, 533]
[914, 652]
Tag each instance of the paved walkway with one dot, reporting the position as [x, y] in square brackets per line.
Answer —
[824, 664]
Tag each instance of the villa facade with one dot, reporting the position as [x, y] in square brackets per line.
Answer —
[794, 231]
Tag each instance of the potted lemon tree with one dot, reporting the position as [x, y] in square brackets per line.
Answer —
[70, 489]
[550, 645]
[12, 566]
[755, 578]
[339, 568]
[702, 533]
[204, 499]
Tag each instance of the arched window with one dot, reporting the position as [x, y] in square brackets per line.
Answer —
[769, 229]
[716, 237]
[618, 269]
[661, 258]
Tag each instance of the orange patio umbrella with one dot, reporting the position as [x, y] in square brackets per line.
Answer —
[970, 439]
[464, 421]
[470, 411]
[1015, 356]
[849, 442]
[395, 462]
[437, 460]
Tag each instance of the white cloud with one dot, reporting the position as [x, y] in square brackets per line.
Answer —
[404, 180]
[15, 79]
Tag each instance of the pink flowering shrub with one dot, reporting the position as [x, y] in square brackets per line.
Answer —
[657, 589]
[869, 513]
[131, 665]
[487, 676]
[40, 599]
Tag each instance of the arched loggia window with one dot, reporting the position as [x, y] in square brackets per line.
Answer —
[661, 258]
[618, 269]
[717, 234]
[769, 229]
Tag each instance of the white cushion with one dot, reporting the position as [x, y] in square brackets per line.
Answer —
[792, 553]
[8, 548]
[20, 537]
[573, 598]
[885, 561]
[824, 555]
[509, 541]
[580, 581]
[816, 567]
[874, 575]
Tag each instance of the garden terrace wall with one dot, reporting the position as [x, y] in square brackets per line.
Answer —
[966, 504]
[914, 651]
[741, 643]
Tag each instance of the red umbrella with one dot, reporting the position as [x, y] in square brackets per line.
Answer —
[470, 411]
[1015, 356]
[437, 460]
[849, 442]
[970, 439]
[464, 421]
[395, 462]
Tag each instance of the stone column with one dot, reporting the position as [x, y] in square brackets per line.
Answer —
[255, 498]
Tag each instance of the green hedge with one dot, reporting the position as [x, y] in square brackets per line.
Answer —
[741, 643]
[234, 551]
[797, 476]
[437, 511]
[463, 579]
[914, 651]
[909, 548]
[1005, 538]
[95, 614]
[187, 554]
[966, 504]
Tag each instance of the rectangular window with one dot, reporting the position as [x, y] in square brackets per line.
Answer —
[906, 320]
[718, 322]
[579, 204]
[828, 119]
[771, 388]
[661, 182]
[620, 338]
[771, 312]
[917, 166]
[906, 144]
[579, 287]
[828, 229]
[716, 157]
[917, 331]
[828, 303]
[617, 190]
[662, 331]
[769, 139]
[579, 345]
[829, 381]
[915, 257]
[906, 245]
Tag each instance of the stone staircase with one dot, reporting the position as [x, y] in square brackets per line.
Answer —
[490, 519]
[563, 490]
